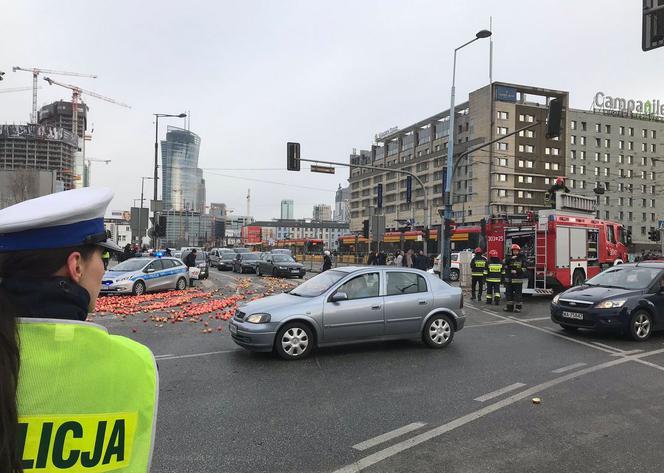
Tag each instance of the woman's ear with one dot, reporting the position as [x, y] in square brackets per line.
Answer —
[73, 268]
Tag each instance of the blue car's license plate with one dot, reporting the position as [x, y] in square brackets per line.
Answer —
[572, 315]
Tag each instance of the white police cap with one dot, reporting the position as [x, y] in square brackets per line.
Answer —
[60, 220]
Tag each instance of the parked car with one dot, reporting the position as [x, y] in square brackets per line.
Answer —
[226, 261]
[628, 298]
[245, 263]
[455, 268]
[279, 265]
[140, 275]
[215, 255]
[349, 305]
[202, 261]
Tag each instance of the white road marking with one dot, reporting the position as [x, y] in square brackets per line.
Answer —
[161, 356]
[499, 322]
[499, 392]
[461, 421]
[568, 368]
[536, 319]
[192, 355]
[607, 346]
[388, 436]
[630, 352]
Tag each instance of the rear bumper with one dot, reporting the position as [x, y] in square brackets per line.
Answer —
[287, 272]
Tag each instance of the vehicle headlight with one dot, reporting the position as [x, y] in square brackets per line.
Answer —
[555, 298]
[123, 278]
[283, 267]
[611, 304]
[258, 318]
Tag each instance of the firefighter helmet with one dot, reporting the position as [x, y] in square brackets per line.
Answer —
[515, 247]
[560, 181]
[493, 254]
[478, 250]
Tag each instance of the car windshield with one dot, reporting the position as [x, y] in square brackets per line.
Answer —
[282, 259]
[318, 284]
[228, 256]
[626, 277]
[133, 264]
[249, 256]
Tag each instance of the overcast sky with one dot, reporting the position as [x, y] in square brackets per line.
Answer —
[256, 74]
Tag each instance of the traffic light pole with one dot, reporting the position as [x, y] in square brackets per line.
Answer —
[427, 216]
[445, 242]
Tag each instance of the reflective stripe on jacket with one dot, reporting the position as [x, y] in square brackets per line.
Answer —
[478, 266]
[493, 271]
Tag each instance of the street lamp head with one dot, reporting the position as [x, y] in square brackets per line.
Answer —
[183, 115]
[481, 34]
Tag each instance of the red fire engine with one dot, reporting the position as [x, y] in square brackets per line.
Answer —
[564, 246]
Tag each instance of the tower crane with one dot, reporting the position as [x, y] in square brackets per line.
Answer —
[16, 89]
[75, 96]
[88, 165]
[35, 73]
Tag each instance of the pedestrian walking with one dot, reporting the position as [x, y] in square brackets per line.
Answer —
[421, 261]
[409, 260]
[493, 274]
[398, 259]
[382, 258]
[477, 268]
[190, 262]
[514, 270]
[327, 261]
[67, 379]
[371, 259]
[105, 257]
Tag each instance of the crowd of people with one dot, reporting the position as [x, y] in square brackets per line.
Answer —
[408, 259]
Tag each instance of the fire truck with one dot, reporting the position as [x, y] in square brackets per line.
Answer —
[564, 246]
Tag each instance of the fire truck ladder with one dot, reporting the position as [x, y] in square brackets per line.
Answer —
[540, 260]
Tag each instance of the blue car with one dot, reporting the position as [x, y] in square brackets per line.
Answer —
[140, 275]
[628, 298]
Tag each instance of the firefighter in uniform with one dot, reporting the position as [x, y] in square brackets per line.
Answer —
[477, 268]
[514, 271]
[85, 400]
[493, 274]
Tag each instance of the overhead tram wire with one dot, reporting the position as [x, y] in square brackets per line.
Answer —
[270, 182]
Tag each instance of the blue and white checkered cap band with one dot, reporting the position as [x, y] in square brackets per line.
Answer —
[61, 236]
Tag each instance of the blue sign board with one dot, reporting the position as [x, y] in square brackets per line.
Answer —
[505, 94]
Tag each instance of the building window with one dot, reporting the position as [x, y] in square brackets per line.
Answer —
[652, 175]
[437, 147]
[598, 127]
[644, 147]
[501, 177]
[621, 158]
[596, 156]
[572, 154]
[607, 157]
[552, 151]
[582, 184]
[502, 193]
[630, 159]
[653, 148]
[607, 143]
[547, 180]
[527, 133]
[502, 115]
[630, 145]
[582, 154]
[582, 169]
[551, 166]
[621, 130]
[606, 172]
[525, 179]
[501, 161]
[501, 130]
[598, 142]
[526, 118]
[607, 129]
[572, 125]
[653, 134]
[572, 139]
[621, 144]
[500, 146]
[644, 133]
[631, 131]
[582, 140]
[596, 171]
[572, 168]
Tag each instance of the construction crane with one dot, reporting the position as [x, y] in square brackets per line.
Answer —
[35, 73]
[75, 96]
[86, 172]
[16, 89]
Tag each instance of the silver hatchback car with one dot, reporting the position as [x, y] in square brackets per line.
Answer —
[349, 305]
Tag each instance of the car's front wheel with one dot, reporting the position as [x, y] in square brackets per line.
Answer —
[640, 325]
[454, 274]
[181, 285]
[139, 288]
[438, 331]
[294, 341]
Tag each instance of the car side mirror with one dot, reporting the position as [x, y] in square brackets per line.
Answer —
[339, 296]
[149, 270]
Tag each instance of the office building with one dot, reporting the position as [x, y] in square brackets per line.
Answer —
[510, 176]
[59, 115]
[341, 204]
[188, 228]
[322, 212]
[120, 230]
[183, 186]
[619, 153]
[39, 148]
[287, 209]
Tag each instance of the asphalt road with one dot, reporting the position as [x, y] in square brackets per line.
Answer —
[399, 406]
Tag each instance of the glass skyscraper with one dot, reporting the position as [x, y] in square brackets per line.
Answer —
[182, 185]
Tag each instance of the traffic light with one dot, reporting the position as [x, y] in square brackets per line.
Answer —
[365, 228]
[293, 156]
[379, 196]
[554, 117]
[160, 228]
[653, 235]
[449, 226]
[1, 74]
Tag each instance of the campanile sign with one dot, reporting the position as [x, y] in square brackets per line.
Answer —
[608, 103]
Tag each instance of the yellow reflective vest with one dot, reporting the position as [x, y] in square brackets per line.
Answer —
[494, 271]
[87, 400]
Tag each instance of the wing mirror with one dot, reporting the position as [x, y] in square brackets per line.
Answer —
[149, 270]
[339, 296]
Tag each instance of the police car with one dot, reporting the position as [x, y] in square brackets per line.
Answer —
[140, 275]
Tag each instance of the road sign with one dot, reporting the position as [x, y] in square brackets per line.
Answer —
[660, 225]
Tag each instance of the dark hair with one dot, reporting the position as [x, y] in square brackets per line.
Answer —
[35, 264]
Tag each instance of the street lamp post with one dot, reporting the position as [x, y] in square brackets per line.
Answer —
[446, 247]
[156, 162]
[140, 211]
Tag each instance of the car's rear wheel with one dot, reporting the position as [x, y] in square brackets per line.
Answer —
[640, 325]
[454, 274]
[438, 331]
[181, 285]
[569, 328]
[139, 288]
[294, 341]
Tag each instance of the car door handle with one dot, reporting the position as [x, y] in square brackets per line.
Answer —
[375, 307]
[422, 302]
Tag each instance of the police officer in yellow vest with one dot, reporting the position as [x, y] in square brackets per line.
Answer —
[73, 398]
[493, 275]
[477, 268]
